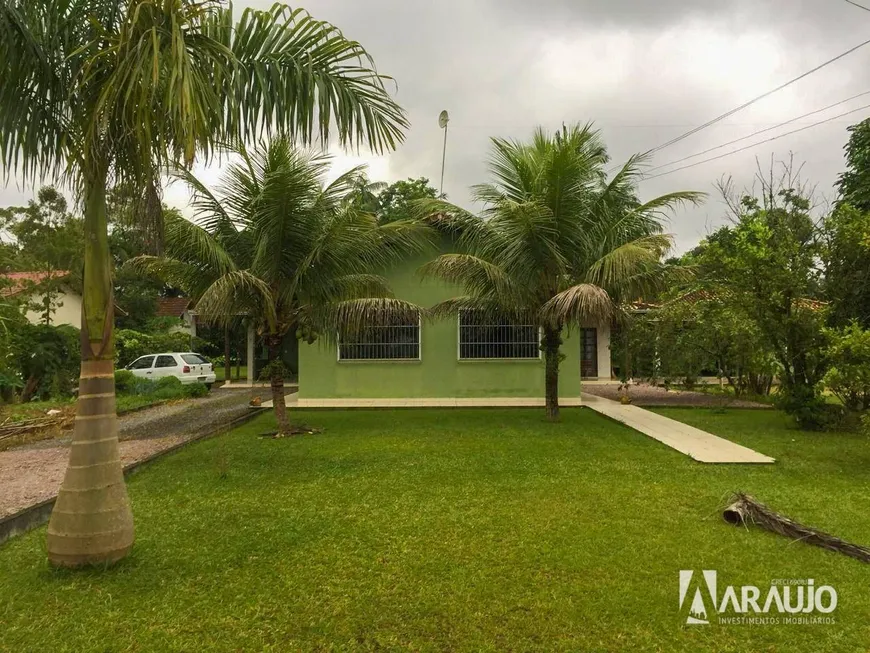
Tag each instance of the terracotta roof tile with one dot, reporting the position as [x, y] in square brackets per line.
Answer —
[172, 306]
[16, 282]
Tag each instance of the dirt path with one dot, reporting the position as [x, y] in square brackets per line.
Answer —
[33, 473]
[648, 395]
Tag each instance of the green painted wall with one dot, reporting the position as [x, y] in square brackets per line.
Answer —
[439, 373]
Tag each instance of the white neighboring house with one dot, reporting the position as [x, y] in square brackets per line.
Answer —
[67, 302]
[181, 308]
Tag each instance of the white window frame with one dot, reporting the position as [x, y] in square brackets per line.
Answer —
[418, 358]
[460, 358]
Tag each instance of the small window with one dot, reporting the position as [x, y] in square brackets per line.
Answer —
[143, 363]
[193, 359]
[399, 341]
[484, 337]
[166, 361]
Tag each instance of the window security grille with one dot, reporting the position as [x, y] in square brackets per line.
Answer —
[482, 338]
[389, 342]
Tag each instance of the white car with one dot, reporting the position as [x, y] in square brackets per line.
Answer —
[187, 367]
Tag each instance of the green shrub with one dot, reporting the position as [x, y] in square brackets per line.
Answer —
[164, 388]
[169, 383]
[811, 411]
[124, 381]
[47, 358]
[195, 390]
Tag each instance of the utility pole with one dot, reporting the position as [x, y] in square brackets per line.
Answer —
[443, 119]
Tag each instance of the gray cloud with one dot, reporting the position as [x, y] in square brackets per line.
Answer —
[644, 71]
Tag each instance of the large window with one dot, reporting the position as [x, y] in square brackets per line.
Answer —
[398, 341]
[485, 337]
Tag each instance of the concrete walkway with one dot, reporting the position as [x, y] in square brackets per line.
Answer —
[294, 401]
[695, 443]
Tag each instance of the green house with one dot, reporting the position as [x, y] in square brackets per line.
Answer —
[432, 363]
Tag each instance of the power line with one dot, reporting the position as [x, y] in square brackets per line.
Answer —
[691, 132]
[749, 147]
[855, 4]
[760, 131]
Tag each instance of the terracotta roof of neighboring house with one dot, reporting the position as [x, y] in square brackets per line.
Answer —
[643, 307]
[172, 306]
[706, 295]
[16, 282]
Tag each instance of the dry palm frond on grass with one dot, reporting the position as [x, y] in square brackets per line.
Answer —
[301, 429]
[15, 432]
[744, 510]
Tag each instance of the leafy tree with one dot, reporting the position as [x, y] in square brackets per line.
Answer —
[131, 344]
[846, 256]
[395, 202]
[100, 91]
[48, 239]
[699, 331]
[364, 193]
[46, 358]
[854, 184]
[769, 263]
[557, 243]
[276, 245]
[849, 376]
[136, 292]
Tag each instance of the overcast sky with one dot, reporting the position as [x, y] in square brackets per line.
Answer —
[644, 71]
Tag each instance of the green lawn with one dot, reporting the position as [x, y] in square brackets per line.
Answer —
[472, 530]
[220, 373]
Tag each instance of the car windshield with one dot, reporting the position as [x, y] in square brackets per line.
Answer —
[193, 359]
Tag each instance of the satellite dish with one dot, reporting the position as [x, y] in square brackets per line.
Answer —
[443, 119]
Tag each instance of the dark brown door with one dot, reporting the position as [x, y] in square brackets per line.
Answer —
[589, 353]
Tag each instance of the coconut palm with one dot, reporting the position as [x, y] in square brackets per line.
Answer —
[557, 243]
[104, 91]
[298, 257]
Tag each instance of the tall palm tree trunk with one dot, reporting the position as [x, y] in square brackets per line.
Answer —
[552, 354]
[91, 523]
[276, 378]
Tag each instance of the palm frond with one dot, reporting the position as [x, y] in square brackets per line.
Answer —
[627, 259]
[577, 305]
[476, 275]
[238, 292]
[194, 280]
[189, 242]
[352, 286]
[489, 309]
[303, 77]
[355, 315]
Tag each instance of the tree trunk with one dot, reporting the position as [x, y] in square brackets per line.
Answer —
[228, 368]
[238, 374]
[552, 355]
[29, 388]
[91, 523]
[277, 381]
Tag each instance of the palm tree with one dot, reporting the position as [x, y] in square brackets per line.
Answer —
[557, 243]
[297, 257]
[106, 91]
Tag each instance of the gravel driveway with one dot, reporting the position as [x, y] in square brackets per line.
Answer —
[33, 473]
[649, 395]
